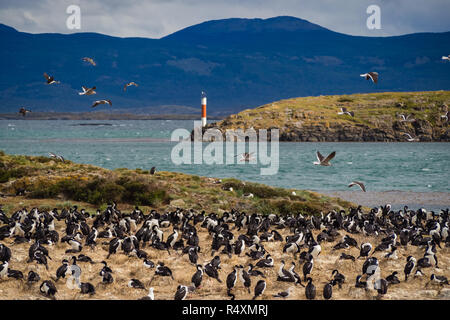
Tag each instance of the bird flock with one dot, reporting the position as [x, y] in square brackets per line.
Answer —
[85, 90]
[254, 242]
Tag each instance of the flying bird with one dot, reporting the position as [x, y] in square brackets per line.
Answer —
[407, 119]
[359, 184]
[446, 57]
[132, 83]
[371, 75]
[246, 156]
[90, 60]
[344, 111]
[87, 91]
[96, 103]
[324, 161]
[24, 111]
[50, 79]
[410, 139]
[55, 156]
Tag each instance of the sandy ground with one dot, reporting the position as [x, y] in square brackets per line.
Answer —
[124, 268]
[397, 199]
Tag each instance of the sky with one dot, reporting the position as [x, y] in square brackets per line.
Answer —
[158, 18]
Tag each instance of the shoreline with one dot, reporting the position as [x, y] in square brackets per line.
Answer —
[432, 200]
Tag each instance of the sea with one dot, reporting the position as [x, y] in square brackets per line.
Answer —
[383, 167]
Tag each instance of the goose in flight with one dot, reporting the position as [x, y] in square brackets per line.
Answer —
[410, 139]
[132, 83]
[359, 184]
[246, 156]
[24, 111]
[87, 91]
[96, 103]
[50, 79]
[324, 161]
[344, 111]
[371, 75]
[55, 156]
[446, 57]
[90, 60]
[407, 119]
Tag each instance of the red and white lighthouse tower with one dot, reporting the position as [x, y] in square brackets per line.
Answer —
[203, 109]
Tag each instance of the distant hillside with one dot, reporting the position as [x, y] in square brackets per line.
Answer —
[376, 117]
[240, 63]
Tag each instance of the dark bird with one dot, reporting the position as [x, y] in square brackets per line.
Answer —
[359, 184]
[284, 294]
[98, 102]
[410, 264]
[310, 290]
[259, 288]
[48, 288]
[23, 111]
[328, 290]
[33, 277]
[50, 79]
[132, 83]
[324, 161]
[371, 75]
[135, 283]
[392, 278]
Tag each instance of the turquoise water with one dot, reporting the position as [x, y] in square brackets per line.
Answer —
[133, 144]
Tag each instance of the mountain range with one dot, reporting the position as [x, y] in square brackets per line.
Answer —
[239, 63]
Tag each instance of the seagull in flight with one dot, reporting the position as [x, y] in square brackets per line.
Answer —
[24, 111]
[371, 75]
[96, 103]
[87, 91]
[132, 83]
[357, 183]
[407, 119]
[90, 60]
[324, 161]
[410, 139]
[246, 156]
[446, 57]
[50, 79]
[55, 156]
[344, 111]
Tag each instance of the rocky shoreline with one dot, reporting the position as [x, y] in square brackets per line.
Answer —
[377, 118]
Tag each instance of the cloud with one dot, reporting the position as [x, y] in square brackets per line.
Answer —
[157, 18]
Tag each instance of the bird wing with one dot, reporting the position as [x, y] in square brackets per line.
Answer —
[84, 88]
[51, 154]
[96, 103]
[374, 76]
[109, 102]
[46, 76]
[360, 184]
[344, 109]
[407, 134]
[319, 156]
[125, 87]
[330, 156]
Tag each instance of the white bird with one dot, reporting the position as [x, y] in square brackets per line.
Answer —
[371, 75]
[50, 79]
[96, 103]
[359, 184]
[344, 111]
[410, 139]
[324, 161]
[150, 296]
[446, 57]
[87, 91]
[407, 119]
[90, 60]
[132, 83]
[55, 156]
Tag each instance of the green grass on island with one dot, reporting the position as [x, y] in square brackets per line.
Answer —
[47, 183]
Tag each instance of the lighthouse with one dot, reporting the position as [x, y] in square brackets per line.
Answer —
[203, 101]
